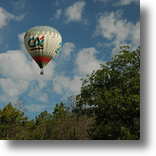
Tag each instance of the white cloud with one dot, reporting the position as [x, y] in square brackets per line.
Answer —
[21, 37]
[112, 27]
[65, 85]
[76, 84]
[13, 87]
[5, 17]
[74, 12]
[38, 94]
[67, 48]
[35, 107]
[119, 2]
[19, 71]
[86, 61]
[15, 64]
[21, 40]
[135, 35]
[101, 1]
[18, 5]
[5, 98]
[43, 97]
[126, 2]
[58, 13]
[19, 104]
[19, 18]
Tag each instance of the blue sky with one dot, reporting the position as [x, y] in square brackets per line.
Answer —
[92, 31]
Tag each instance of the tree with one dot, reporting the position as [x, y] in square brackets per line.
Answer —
[67, 126]
[11, 121]
[113, 93]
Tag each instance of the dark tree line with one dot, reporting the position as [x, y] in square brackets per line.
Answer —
[107, 108]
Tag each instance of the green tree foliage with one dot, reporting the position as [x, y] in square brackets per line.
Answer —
[11, 122]
[113, 93]
[62, 124]
[108, 107]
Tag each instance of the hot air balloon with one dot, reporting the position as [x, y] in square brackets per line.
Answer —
[43, 43]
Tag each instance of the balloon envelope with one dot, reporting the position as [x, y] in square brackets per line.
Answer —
[43, 43]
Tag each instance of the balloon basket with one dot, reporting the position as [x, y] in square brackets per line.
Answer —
[42, 72]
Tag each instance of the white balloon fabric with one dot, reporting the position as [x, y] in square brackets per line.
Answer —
[43, 43]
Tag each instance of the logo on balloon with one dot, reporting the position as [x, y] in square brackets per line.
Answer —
[57, 51]
[36, 42]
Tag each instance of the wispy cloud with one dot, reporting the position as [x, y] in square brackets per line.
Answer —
[18, 71]
[75, 11]
[18, 5]
[67, 48]
[118, 2]
[58, 14]
[66, 86]
[35, 107]
[86, 61]
[126, 2]
[104, 1]
[38, 94]
[13, 87]
[21, 40]
[112, 26]
[5, 17]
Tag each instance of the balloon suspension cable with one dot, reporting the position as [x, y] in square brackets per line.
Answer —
[42, 72]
